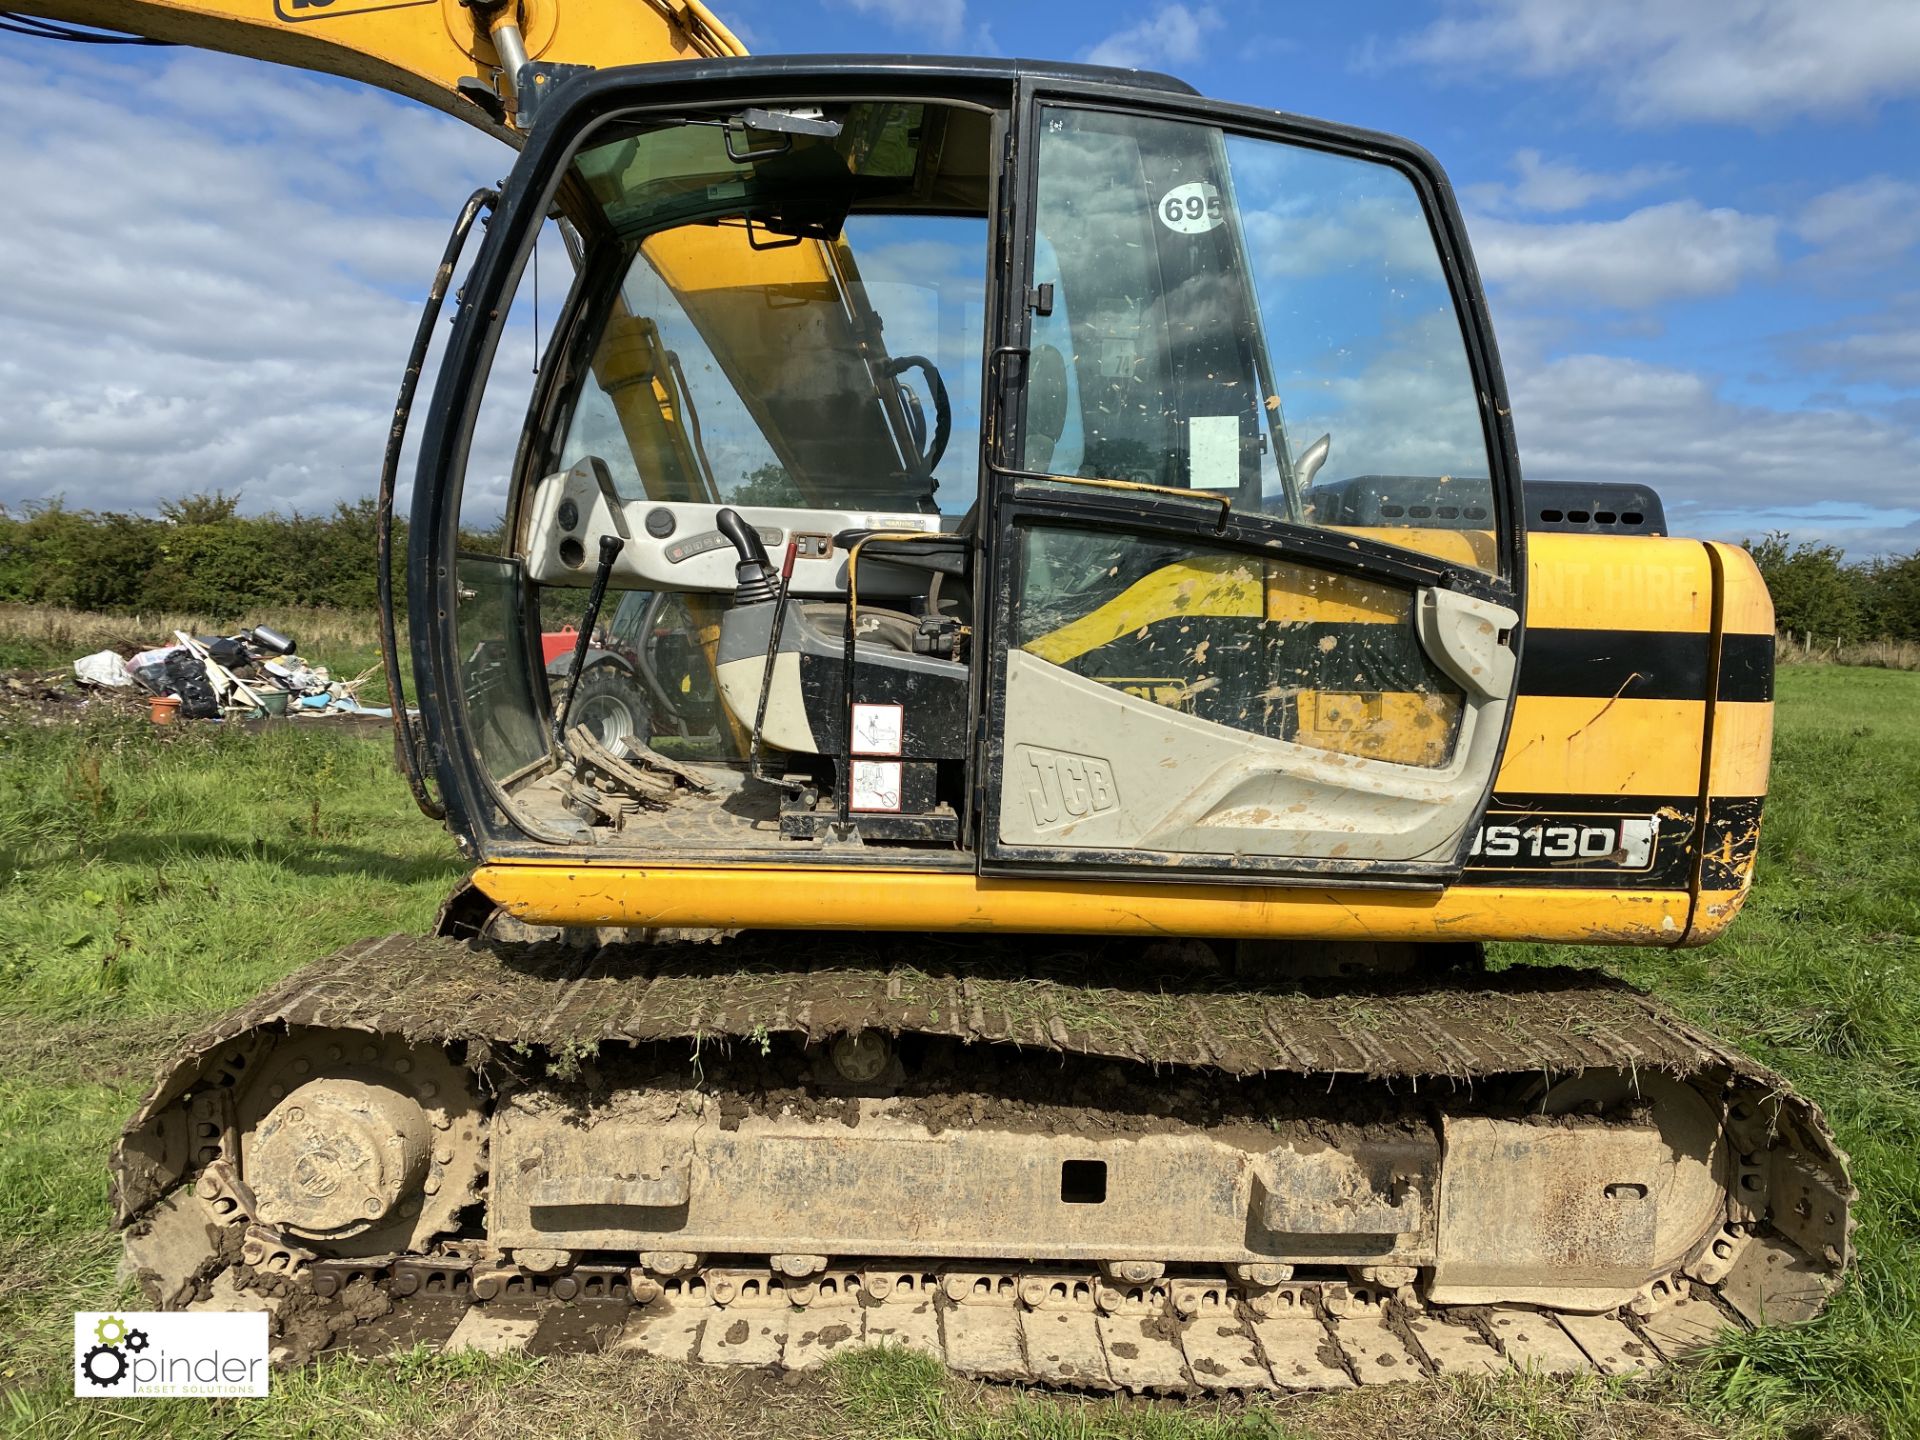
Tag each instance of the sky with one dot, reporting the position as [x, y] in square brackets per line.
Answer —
[1698, 222]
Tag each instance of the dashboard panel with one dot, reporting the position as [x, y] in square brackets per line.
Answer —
[675, 545]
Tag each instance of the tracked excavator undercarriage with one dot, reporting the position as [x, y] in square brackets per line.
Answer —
[1090, 1164]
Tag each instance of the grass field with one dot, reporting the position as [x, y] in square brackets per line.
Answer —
[149, 878]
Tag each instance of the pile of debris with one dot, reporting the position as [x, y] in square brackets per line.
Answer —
[249, 675]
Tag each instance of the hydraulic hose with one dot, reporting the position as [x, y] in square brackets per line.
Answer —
[412, 759]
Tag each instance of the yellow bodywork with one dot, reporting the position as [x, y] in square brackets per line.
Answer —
[424, 49]
[1655, 748]
[815, 898]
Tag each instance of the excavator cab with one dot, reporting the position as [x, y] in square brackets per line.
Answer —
[977, 418]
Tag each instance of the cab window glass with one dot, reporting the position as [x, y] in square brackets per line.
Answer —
[1279, 648]
[674, 421]
[1255, 320]
[798, 317]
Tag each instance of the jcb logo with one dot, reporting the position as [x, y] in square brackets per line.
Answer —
[298, 12]
[1063, 788]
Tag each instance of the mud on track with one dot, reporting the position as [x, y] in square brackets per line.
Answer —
[1054, 1036]
[1115, 1000]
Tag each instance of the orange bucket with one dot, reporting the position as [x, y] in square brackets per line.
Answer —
[163, 709]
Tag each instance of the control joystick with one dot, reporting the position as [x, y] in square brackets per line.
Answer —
[754, 575]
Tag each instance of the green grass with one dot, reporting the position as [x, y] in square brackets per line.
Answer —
[1820, 978]
[149, 878]
[147, 872]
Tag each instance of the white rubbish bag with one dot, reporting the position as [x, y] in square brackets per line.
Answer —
[104, 668]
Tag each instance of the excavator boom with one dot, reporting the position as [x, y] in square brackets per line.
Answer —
[461, 58]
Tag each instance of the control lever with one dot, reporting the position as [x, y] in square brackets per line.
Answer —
[610, 548]
[753, 576]
[773, 651]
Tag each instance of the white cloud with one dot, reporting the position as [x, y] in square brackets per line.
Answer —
[1725, 469]
[1863, 224]
[1310, 237]
[1887, 353]
[1881, 347]
[1757, 62]
[1552, 186]
[1676, 251]
[217, 272]
[943, 21]
[1409, 409]
[1174, 35]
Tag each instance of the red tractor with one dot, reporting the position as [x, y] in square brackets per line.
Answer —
[643, 675]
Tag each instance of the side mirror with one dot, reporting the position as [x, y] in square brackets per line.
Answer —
[1046, 405]
[1311, 459]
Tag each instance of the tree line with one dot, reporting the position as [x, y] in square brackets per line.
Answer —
[200, 554]
[1818, 592]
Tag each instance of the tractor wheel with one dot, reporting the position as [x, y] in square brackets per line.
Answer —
[610, 704]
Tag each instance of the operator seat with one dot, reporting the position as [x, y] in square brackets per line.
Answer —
[896, 659]
[804, 707]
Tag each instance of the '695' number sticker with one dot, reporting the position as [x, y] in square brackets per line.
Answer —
[1191, 209]
[1613, 841]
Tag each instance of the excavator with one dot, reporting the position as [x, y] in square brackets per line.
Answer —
[1123, 686]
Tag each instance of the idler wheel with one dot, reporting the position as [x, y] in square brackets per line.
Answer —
[358, 1144]
[337, 1156]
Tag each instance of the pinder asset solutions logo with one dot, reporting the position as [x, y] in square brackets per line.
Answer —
[171, 1353]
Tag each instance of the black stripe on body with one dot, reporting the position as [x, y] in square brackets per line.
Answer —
[1644, 665]
[1609, 664]
[1746, 667]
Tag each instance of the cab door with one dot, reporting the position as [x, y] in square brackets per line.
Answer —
[1255, 600]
